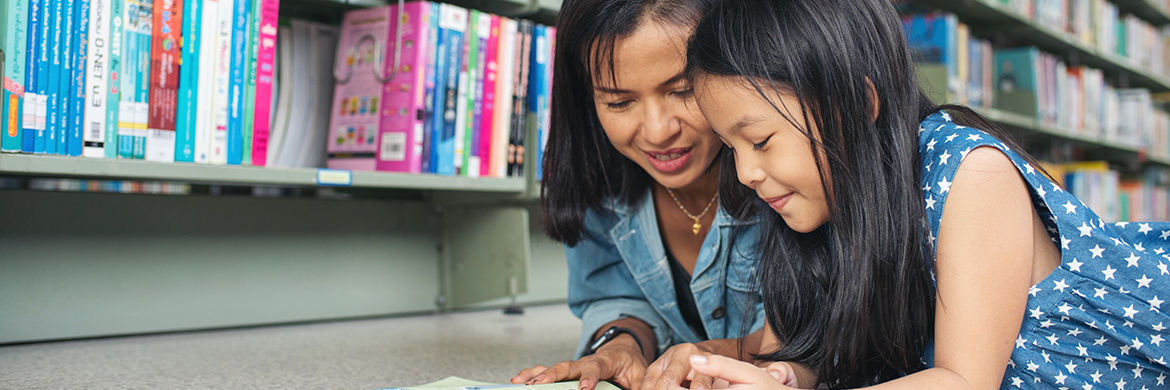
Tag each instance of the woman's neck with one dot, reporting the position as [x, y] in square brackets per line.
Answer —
[700, 191]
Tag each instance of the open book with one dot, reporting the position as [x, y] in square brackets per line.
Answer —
[457, 383]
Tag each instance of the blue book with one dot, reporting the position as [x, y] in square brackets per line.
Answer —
[52, 127]
[74, 139]
[142, 86]
[31, 100]
[44, 74]
[129, 66]
[114, 88]
[188, 81]
[235, 128]
[429, 97]
[538, 85]
[13, 44]
[39, 62]
[64, 85]
[453, 24]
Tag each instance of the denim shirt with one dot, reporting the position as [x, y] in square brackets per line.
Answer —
[619, 269]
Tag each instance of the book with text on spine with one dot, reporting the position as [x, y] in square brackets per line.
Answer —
[165, 59]
[13, 43]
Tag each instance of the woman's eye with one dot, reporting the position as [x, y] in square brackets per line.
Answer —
[618, 105]
[684, 93]
[761, 144]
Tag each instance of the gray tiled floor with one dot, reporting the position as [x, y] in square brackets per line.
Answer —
[367, 354]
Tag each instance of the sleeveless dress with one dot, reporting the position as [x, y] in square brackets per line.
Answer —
[1098, 320]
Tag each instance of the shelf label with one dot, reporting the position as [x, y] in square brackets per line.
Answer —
[334, 177]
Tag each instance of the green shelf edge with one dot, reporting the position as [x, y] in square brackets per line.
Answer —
[59, 166]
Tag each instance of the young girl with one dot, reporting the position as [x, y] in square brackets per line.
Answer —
[907, 246]
[631, 188]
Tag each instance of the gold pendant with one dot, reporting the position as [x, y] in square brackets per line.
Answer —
[695, 228]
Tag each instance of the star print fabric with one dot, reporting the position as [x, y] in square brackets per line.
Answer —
[1097, 321]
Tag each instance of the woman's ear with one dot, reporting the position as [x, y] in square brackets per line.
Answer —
[875, 104]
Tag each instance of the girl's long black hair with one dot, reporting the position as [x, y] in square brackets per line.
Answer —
[581, 167]
[853, 300]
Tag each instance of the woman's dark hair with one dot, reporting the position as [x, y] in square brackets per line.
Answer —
[853, 300]
[581, 167]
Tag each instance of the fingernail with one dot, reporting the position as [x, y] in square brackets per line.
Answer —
[585, 384]
[774, 374]
[699, 387]
[698, 359]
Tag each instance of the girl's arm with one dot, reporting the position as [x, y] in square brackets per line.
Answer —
[985, 253]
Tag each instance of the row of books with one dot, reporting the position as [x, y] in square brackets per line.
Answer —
[98, 185]
[1077, 100]
[1114, 197]
[458, 100]
[166, 80]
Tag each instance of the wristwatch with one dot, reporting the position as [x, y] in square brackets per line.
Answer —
[608, 336]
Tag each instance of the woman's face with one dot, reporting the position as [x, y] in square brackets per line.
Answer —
[772, 156]
[646, 107]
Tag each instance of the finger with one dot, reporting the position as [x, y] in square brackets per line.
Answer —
[732, 370]
[590, 373]
[701, 382]
[670, 374]
[631, 376]
[558, 372]
[527, 374]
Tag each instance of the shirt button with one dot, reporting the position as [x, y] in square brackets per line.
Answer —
[718, 312]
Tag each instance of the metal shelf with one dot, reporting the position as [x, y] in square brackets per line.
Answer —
[57, 166]
[1144, 9]
[1023, 123]
[989, 18]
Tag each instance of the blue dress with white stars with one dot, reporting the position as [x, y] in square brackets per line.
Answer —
[1097, 321]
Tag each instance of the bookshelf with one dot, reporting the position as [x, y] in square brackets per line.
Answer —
[82, 264]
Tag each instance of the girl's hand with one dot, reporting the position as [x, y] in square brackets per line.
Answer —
[619, 361]
[745, 376]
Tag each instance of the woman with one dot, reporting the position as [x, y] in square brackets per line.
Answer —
[630, 188]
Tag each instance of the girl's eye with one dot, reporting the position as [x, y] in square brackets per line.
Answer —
[761, 144]
[684, 93]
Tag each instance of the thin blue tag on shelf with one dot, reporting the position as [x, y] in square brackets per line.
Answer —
[334, 177]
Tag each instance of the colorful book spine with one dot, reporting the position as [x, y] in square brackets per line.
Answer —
[53, 92]
[520, 101]
[239, 60]
[253, 45]
[165, 58]
[43, 69]
[77, 101]
[142, 91]
[114, 90]
[464, 107]
[222, 74]
[128, 85]
[66, 76]
[265, 74]
[452, 25]
[544, 118]
[188, 82]
[402, 115]
[31, 98]
[429, 90]
[476, 71]
[94, 133]
[499, 160]
[488, 111]
[205, 91]
[13, 44]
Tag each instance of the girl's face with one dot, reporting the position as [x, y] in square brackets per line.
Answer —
[643, 107]
[772, 156]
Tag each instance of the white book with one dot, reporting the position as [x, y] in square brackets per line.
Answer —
[324, 47]
[301, 103]
[94, 133]
[505, 79]
[217, 148]
[283, 101]
[205, 91]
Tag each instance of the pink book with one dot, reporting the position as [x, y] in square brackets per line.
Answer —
[487, 119]
[265, 60]
[400, 131]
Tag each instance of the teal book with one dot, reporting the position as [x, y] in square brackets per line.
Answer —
[1015, 80]
[65, 84]
[252, 72]
[115, 83]
[188, 81]
[13, 43]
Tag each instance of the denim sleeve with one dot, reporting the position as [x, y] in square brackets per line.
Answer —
[601, 287]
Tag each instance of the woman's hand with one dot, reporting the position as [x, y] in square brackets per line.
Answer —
[673, 369]
[619, 361]
[745, 376]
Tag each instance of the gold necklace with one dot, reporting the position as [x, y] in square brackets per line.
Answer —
[694, 228]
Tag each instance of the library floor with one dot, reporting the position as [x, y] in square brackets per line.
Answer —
[366, 354]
